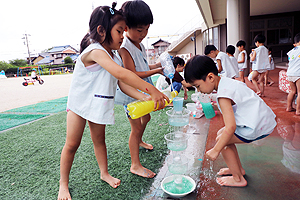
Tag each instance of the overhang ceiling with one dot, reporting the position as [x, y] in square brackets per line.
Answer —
[214, 11]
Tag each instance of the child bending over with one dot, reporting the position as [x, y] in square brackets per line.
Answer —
[246, 116]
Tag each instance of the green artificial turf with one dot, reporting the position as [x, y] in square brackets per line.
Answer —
[30, 156]
[11, 120]
[52, 106]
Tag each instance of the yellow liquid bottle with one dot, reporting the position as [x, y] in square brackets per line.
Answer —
[139, 108]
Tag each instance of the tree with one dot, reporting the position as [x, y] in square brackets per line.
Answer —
[4, 65]
[18, 62]
[68, 60]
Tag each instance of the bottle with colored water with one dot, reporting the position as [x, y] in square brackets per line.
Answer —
[140, 108]
[167, 65]
[207, 108]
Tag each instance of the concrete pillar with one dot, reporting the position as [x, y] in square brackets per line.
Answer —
[238, 24]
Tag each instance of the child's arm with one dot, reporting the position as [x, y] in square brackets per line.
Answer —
[129, 64]
[132, 92]
[126, 76]
[219, 66]
[224, 138]
[242, 58]
[253, 55]
[154, 66]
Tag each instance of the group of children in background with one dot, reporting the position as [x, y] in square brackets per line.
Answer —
[229, 66]
[113, 68]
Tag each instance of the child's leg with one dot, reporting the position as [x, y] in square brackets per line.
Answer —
[241, 73]
[75, 127]
[291, 96]
[266, 78]
[298, 97]
[254, 81]
[231, 158]
[98, 138]
[144, 121]
[135, 140]
[226, 171]
[261, 83]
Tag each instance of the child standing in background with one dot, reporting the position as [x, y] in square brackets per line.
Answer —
[247, 117]
[178, 80]
[230, 50]
[92, 91]
[138, 18]
[242, 59]
[225, 67]
[260, 59]
[293, 73]
[268, 80]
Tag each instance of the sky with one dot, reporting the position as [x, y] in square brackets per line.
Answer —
[65, 22]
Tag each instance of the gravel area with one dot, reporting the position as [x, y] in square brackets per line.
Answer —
[14, 95]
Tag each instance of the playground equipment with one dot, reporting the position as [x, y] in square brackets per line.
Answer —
[20, 70]
[30, 81]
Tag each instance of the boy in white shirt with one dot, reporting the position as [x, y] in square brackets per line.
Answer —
[230, 50]
[225, 67]
[242, 58]
[247, 117]
[293, 73]
[260, 59]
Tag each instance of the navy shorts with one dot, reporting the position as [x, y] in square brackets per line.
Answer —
[249, 141]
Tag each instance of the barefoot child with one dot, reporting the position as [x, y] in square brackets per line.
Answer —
[293, 73]
[134, 58]
[92, 91]
[260, 59]
[242, 59]
[246, 116]
[225, 66]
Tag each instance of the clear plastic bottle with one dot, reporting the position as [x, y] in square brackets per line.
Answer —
[167, 65]
[140, 108]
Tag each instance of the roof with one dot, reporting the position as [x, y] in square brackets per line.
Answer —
[74, 57]
[160, 40]
[60, 49]
[45, 60]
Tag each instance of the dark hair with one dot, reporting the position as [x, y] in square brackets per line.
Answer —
[241, 43]
[297, 38]
[198, 67]
[209, 48]
[230, 49]
[137, 13]
[177, 61]
[259, 38]
[105, 16]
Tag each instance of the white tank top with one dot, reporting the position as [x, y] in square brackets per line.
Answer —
[91, 94]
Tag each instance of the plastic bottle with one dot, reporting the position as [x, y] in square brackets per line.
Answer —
[167, 65]
[140, 108]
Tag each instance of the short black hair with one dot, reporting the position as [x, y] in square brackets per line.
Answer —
[137, 13]
[230, 49]
[259, 38]
[297, 38]
[209, 48]
[177, 61]
[241, 43]
[198, 67]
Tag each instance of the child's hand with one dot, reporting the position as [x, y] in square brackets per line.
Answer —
[159, 100]
[212, 154]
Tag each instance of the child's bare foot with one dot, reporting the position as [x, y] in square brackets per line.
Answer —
[142, 171]
[146, 146]
[226, 171]
[112, 181]
[64, 193]
[297, 113]
[270, 84]
[290, 109]
[230, 181]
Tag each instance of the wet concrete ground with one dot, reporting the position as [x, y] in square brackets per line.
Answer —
[272, 164]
